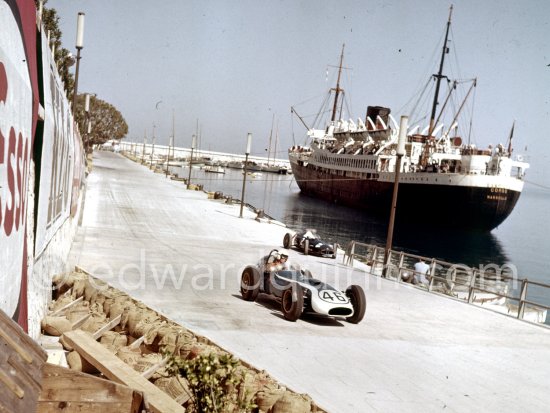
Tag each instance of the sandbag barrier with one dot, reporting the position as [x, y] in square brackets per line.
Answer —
[142, 338]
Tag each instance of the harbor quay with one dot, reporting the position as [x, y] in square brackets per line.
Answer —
[182, 254]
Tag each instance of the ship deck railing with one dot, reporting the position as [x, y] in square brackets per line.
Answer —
[490, 286]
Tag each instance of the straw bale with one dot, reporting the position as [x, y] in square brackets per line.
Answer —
[147, 361]
[94, 323]
[292, 403]
[79, 363]
[64, 343]
[140, 314]
[111, 294]
[128, 355]
[177, 341]
[113, 341]
[90, 291]
[78, 287]
[176, 387]
[60, 302]
[268, 396]
[77, 311]
[55, 326]
[148, 328]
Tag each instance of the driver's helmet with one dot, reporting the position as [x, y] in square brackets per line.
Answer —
[283, 255]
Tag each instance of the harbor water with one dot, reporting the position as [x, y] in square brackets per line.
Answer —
[521, 242]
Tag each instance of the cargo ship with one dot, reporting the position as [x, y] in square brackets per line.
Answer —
[443, 181]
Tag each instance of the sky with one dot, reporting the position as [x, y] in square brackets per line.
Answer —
[233, 67]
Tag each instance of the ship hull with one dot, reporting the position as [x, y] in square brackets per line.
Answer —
[435, 205]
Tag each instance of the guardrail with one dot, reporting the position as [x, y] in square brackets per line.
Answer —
[484, 286]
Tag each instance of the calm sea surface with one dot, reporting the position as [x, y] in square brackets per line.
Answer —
[523, 240]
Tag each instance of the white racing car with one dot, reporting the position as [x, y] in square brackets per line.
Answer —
[299, 292]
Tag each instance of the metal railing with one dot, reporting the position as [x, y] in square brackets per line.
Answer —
[472, 285]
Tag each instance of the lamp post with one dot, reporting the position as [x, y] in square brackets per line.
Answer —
[248, 144]
[171, 142]
[400, 152]
[193, 144]
[152, 147]
[79, 46]
[143, 150]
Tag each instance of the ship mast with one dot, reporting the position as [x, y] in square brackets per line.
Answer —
[337, 90]
[440, 75]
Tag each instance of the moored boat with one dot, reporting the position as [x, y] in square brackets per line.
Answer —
[442, 182]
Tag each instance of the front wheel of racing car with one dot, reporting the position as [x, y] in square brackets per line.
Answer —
[358, 301]
[292, 303]
[287, 240]
[250, 284]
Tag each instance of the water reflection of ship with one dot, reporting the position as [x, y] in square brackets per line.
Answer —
[342, 225]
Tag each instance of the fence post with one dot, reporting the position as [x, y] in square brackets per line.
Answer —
[374, 257]
[472, 286]
[352, 253]
[522, 297]
[432, 273]
[453, 280]
[400, 266]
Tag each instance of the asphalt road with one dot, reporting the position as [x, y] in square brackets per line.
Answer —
[183, 254]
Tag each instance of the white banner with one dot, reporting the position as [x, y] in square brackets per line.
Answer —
[58, 152]
[16, 107]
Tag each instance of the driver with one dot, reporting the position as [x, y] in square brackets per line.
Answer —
[280, 261]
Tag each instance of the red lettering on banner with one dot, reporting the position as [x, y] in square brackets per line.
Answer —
[2, 148]
[16, 162]
[10, 212]
[25, 174]
[3, 83]
[3, 96]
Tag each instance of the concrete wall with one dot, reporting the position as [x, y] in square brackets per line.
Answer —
[41, 167]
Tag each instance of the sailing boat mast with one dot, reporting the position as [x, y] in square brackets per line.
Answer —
[440, 75]
[337, 90]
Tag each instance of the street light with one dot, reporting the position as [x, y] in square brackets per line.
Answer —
[400, 152]
[79, 46]
[193, 144]
[248, 144]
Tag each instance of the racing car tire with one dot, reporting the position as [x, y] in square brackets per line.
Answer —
[287, 240]
[250, 284]
[292, 303]
[358, 301]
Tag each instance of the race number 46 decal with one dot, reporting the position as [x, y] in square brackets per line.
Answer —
[333, 296]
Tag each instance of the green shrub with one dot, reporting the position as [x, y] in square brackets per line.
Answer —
[214, 381]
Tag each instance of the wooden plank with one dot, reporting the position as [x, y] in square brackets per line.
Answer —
[81, 321]
[25, 355]
[115, 369]
[109, 326]
[80, 392]
[11, 385]
[151, 370]
[66, 306]
[80, 407]
[21, 359]
[137, 343]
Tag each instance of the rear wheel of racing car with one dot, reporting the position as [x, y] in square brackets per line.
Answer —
[358, 301]
[292, 303]
[287, 240]
[250, 284]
